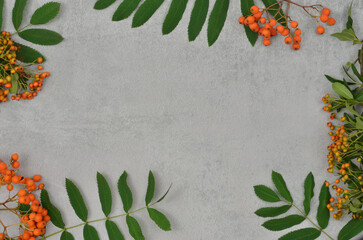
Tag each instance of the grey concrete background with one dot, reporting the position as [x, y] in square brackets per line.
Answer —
[212, 121]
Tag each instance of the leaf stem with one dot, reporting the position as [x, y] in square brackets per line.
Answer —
[306, 217]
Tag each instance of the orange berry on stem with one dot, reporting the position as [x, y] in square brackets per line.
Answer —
[320, 30]
[254, 9]
[273, 22]
[285, 32]
[326, 11]
[331, 21]
[250, 19]
[280, 29]
[297, 39]
[241, 20]
[258, 16]
[40, 60]
[297, 31]
[288, 40]
[16, 164]
[294, 24]
[263, 20]
[37, 178]
[296, 46]
[324, 18]
[266, 42]
[15, 157]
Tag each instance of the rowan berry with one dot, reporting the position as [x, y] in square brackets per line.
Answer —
[273, 22]
[241, 20]
[250, 20]
[288, 40]
[266, 42]
[324, 18]
[297, 39]
[331, 21]
[262, 20]
[254, 9]
[296, 46]
[320, 30]
[294, 24]
[326, 11]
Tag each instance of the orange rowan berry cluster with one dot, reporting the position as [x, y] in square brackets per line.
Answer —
[16, 79]
[268, 26]
[33, 218]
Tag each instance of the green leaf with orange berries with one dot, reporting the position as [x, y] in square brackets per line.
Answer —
[351, 229]
[14, 83]
[150, 188]
[217, 19]
[302, 234]
[134, 228]
[323, 214]
[197, 18]
[66, 236]
[125, 192]
[1, 13]
[53, 212]
[342, 90]
[90, 233]
[309, 185]
[279, 15]
[104, 193]
[18, 11]
[102, 4]
[41, 36]
[245, 9]
[283, 223]
[126, 8]
[76, 200]
[160, 219]
[272, 211]
[145, 12]
[45, 13]
[27, 54]
[175, 14]
[266, 194]
[280, 184]
[113, 231]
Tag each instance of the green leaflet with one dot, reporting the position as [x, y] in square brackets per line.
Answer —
[323, 214]
[356, 73]
[53, 212]
[278, 16]
[309, 185]
[90, 233]
[14, 83]
[134, 228]
[125, 192]
[113, 231]
[160, 219]
[266, 194]
[41, 36]
[104, 192]
[45, 13]
[217, 19]
[76, 200]
[351, 229]
[145, 11]
[197, 18]
[1, 13]
[347, 35]
[280, 184]
[162, 198]
[342, 90]
[28, 54]
[272, 211]
[126, 8]
[66, 236]
[150, 188]
[283, 223]
[245, 9]
[18, 11]
[175, 14]
[302, 234]
[102, 4]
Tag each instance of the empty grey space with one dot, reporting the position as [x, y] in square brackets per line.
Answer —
[214, 121]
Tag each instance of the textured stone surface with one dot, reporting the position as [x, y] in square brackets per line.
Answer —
[213, 121]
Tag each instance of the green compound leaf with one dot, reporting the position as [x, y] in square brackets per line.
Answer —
[342, 90]
[102, 4]
[283, 223]
[175, 14]
[76, 200]
[18, 11]
[272, 211]
[302, 234]
[217, 19]
[1, 13]
[266, 193]
[90, 233]
[245, 9]
[280, 184]
[197, 18]
[126, 8]
[66, 236]
[45, 13]
[53, 212]
[27, 54]
[113, 231]
[279, 16]
[41, 36]
[323, 214]
[160, 219]
[145, 12]
[351, 229]
[14, 83]
[309, 185]
[134, 228]
[125, 192]
[104, 193]
[150, 188]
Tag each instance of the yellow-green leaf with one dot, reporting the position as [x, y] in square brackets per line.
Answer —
[342, 90]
